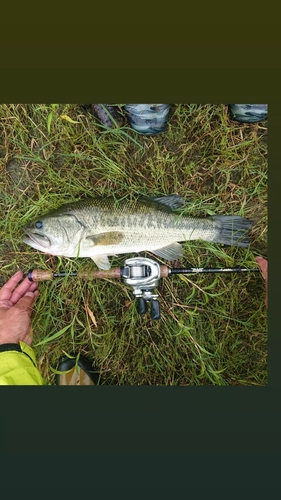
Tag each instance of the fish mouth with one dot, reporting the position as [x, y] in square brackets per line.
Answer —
[36, 240]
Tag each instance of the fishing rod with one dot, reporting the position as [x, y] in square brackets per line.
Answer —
[141, 274]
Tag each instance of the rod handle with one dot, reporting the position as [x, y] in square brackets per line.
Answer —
[43, 275]
[115, 272]
[164, 271]
[40, 275]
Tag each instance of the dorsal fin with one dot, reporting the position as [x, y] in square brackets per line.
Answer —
[171, 201]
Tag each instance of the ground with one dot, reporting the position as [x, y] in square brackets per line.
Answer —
[213, 328]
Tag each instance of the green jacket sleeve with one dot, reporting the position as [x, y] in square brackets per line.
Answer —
[18, 365]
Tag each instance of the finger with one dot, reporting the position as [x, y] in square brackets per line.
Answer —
[262, 263]
[7, 304]
[260, 259]
[25, 303]
[7, 289]
[33, 287]
[20, 291]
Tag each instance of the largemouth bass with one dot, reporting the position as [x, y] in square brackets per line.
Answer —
[100, 227]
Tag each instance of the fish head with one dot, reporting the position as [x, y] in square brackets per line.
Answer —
[54, 234]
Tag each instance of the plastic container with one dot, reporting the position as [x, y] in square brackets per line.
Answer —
[248, 113]
[148, 119]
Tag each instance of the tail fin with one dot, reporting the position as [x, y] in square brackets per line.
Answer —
[232, 230]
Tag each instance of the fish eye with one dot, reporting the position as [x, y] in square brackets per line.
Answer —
[39, 224]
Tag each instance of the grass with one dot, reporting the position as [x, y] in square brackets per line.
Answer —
[213, 328]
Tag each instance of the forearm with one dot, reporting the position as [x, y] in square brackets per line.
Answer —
[18, 365]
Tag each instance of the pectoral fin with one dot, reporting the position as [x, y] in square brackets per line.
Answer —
[101, 261]
[170, 252]
[105, 239]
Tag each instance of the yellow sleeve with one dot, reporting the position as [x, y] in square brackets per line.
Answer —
[18, 365]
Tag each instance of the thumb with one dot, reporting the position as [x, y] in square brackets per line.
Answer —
[26, 302]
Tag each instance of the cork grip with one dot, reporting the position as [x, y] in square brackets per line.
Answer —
[164, 271]
[111, 273]
[40, 275]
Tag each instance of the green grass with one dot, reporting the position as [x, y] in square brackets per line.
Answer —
[213, 328]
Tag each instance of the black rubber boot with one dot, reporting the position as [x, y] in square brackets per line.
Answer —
[77, 373]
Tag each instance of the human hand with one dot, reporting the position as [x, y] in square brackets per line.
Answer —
[15, 310]
[262, 263]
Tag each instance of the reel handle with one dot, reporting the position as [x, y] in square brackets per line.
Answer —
[155, 309]
[141, 305]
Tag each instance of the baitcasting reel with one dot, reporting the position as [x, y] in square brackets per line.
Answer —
[143, 275]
